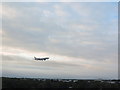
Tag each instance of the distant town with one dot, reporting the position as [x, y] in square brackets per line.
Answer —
[58, 83]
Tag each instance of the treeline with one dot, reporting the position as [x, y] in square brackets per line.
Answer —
[52, 83]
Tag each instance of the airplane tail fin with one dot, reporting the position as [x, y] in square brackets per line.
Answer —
[34, 57]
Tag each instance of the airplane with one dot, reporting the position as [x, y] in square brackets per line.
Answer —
[41, 58]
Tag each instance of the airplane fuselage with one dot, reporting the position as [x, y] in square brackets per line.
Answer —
[41, 58]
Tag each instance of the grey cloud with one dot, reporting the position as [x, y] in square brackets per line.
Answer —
[70, 46]
[32, 63]
[20, 67]
[35, 40]
[33, 31]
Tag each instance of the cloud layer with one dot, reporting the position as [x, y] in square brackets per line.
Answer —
[75, 35]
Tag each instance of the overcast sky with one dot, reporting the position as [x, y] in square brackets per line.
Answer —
[60, 1]
[81, 40]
